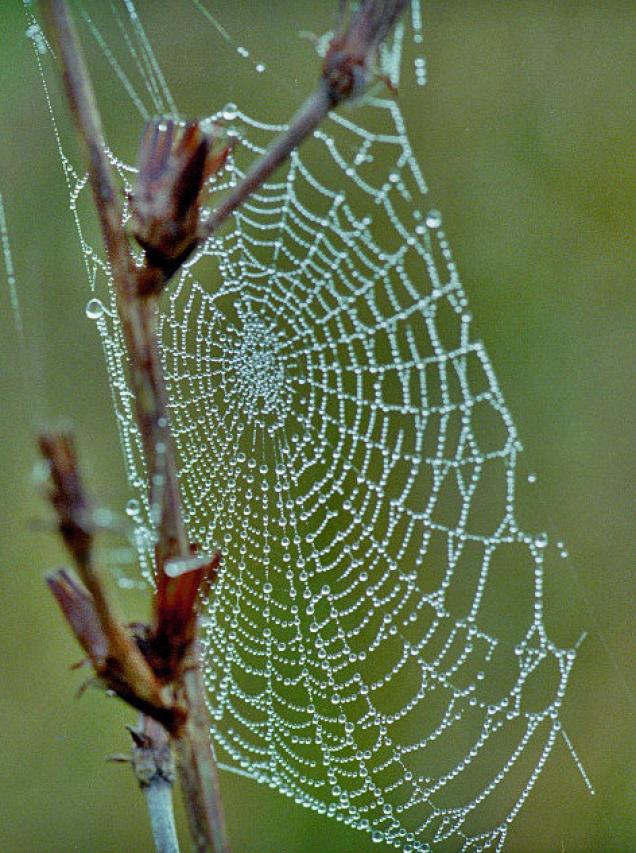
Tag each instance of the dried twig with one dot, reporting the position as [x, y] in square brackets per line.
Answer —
[155, 667]
[153, 764]
[346, 71]
[138, 309]
[110, 644]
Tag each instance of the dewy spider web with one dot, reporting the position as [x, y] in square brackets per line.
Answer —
[342, 437]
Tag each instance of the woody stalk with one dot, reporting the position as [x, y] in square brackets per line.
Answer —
[155, 667]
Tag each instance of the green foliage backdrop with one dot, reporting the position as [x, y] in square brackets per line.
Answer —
[525, 134]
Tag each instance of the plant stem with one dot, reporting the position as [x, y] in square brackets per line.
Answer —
[167, 656]
[199, 779]
[346, 71]
[154, 768]
[306, 120]
[138, 317]
[102, 633]
[159, 803]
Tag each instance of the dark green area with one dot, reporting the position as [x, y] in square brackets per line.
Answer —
[525, 133]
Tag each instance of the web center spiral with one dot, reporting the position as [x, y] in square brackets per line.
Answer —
[259, 371]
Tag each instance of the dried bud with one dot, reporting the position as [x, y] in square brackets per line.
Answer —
[66, 493]
[79, 609]
[352, 52]
[175, 610]
[174, 163]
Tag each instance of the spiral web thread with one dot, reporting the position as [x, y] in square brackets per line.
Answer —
[343, 439]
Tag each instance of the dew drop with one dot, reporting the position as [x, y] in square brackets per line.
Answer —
[132, 507]
[420, 71]
[94, 309]
[433, 219]
[34, 32]
[40, 473]
[102, 517]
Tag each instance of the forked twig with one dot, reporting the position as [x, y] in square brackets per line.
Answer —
[106, 640]
[153, 764]
[138, 311]
[155, 668]
[346, 71]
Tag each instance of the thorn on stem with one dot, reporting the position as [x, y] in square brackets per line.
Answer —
[87, 684]
[139, 739]
[119, 758]
[151, 755]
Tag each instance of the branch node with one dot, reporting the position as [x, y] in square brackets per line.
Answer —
[174, 163]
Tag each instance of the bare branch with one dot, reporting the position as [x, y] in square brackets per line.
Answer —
[301, 126]
[137, 313]
[137, 309]
[90, 613]
[346, 71]
[199, 777]
[145, 694]
[153, 765]
[152, 663]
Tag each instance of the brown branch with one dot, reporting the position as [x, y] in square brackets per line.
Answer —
[156, 668]
[137, 309]
[199, 779]
[81, 614]
[138, 315]
[68, 498]
[89, 611]
[346, 71]
[304, 123]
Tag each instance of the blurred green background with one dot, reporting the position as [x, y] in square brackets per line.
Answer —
[526, 134]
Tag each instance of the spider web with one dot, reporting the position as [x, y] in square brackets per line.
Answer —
[375, 646]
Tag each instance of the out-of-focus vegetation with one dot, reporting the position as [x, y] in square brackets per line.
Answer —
[525, 133]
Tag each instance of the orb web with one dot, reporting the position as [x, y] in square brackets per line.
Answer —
[375, 646]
